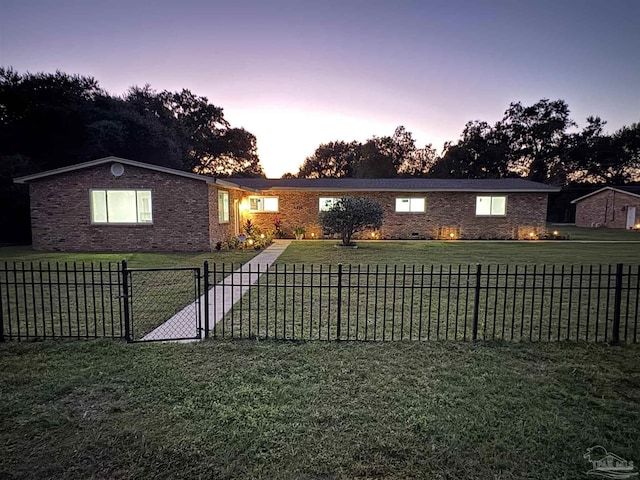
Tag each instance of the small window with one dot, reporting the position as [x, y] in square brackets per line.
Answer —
[491, 206]
[223, 207]
[263, 204]
[121, 206]
[326, 203]
[414, 205]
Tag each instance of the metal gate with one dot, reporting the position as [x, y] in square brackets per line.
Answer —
[162, 304]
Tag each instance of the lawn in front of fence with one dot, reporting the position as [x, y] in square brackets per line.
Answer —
[314, 410]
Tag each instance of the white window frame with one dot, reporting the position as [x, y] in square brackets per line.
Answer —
[223, 206]
[322, 203]
[262, 200]
[491, 199]
[413, 202]
[137, 201]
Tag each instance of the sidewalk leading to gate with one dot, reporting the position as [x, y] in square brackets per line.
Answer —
[226, 293]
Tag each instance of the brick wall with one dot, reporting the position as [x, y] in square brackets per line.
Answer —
[606, 209]
[61, 212]
[446, 212]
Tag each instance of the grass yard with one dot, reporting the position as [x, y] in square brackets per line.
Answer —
[463, 253]
[314, 410]
[134, 260]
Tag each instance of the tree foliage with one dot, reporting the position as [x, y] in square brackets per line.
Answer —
[378, 157]
[351, 215]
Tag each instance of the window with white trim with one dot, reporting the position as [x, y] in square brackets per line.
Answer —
[121, 206]
[223, 207]
[263, 204]
[326, 203]
[488, 206]
[412, 205]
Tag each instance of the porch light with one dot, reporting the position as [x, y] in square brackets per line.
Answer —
[244, 206]
[452, 235]
[531, 235]
[373, 234]
[313, 235]
[555, 233]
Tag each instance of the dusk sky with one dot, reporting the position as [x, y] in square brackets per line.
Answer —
[300, 73]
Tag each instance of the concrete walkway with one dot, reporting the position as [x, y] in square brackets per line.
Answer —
[226, 293]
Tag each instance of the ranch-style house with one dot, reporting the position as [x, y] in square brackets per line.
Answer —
[115, 204]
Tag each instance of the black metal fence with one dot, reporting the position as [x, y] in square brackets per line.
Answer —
[380, 303]
[302, 302]
[60, 300]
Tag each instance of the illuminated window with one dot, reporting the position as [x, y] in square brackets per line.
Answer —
[414, 205]
[223, 207]
[263, 204]
[121, 206]
[491, 206]
[326, 203]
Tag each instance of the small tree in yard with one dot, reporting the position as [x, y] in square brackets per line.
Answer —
[351, 215]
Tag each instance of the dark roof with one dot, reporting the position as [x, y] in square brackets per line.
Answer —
[633, 190]
[394, 184]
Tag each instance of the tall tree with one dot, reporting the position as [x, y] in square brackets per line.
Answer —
[331, 160]
[482, 152]
[538, 139]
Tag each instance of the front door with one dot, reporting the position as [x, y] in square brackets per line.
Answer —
[631, 217]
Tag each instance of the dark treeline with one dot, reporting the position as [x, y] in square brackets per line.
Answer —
[51, 120]
[538, 142]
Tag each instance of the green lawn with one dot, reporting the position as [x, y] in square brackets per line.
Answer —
[314, 410]
[134, 260]
[463, 253]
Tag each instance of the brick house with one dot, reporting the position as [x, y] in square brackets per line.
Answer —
[114, 204]
[414, 208]
[612, 207]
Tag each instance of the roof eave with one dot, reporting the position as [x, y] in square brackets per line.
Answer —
[602, 190]
[100, 161]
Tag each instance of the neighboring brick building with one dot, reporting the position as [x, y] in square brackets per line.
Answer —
[114, 204]
[612, 207]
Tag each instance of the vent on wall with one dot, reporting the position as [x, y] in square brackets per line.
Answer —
[117, 169]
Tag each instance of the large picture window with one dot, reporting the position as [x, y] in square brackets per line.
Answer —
[263, 204]
[491, 206]
[121, 206]
[413, 205]
[223, 207]
[326, 203]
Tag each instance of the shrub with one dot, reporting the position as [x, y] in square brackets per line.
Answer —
[351, 215]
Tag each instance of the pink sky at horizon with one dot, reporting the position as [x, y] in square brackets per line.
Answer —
[298, 74]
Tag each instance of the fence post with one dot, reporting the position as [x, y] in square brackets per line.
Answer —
[1, 314]
[339, 301]
[125, 296]
[476, 303]
[615, 335]
[206, 298]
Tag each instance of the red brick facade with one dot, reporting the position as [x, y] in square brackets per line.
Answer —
[607, 208]
[186, 217]
[446, 213]
[61, 212]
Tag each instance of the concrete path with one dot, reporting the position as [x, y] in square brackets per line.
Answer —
[226, 293]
